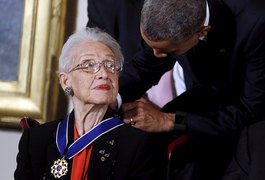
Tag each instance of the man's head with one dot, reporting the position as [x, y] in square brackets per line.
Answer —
[173, 26]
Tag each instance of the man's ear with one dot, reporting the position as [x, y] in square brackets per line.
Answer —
[64, 80]
[203, 31]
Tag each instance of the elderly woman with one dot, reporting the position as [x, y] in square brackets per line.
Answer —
[91, 142]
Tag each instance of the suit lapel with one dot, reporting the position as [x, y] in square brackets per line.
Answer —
[103, 155]
[53, 152]
[102, 159]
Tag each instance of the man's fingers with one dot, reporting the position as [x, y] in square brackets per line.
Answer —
[128, 106]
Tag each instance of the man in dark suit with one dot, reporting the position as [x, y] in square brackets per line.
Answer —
[221, 46]
[249, 159]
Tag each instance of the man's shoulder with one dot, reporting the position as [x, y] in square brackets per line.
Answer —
[256, 130]
[258, 126]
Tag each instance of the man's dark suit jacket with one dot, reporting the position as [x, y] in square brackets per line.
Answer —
[119, 18]
[133, 155]
[225, 77]
[249, 159]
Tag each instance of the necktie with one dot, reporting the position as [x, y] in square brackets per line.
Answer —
[164, 91]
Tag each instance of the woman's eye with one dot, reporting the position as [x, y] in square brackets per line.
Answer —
[110, 65]
[88, 64]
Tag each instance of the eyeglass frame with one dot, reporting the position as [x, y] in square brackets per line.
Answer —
[117, 67]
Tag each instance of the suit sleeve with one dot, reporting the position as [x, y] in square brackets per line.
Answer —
[243, 101]
[240, 164]
[119, 18]
[23, 169]
[101, 16]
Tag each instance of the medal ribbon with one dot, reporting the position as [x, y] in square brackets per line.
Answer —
[86, 139]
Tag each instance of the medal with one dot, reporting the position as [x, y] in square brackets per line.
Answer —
[59, 168]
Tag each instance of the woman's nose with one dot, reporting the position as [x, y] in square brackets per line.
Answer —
[102, 73]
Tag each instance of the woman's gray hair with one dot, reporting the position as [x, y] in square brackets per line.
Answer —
[88, 35]
[172, 19]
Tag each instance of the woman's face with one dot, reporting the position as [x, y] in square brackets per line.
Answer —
[99, 87]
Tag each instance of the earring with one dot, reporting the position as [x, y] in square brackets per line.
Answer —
[69, 91]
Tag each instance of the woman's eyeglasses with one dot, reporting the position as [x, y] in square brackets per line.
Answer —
[91, 66]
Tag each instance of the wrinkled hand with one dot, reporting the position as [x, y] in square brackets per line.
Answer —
[145, 116]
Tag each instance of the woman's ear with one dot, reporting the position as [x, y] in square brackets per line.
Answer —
[64, 80]
[202, 33]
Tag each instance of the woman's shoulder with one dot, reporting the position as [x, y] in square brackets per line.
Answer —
[43, 130]
[47, 125]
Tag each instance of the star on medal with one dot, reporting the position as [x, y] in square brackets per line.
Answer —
[59, 168]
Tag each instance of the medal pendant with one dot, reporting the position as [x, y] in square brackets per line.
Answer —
[59, 168]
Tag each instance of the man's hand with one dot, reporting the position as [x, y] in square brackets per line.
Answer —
[145, 116]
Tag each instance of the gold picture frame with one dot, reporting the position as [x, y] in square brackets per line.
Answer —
[36, 91]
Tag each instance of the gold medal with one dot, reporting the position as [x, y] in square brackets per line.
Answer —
[59, 168]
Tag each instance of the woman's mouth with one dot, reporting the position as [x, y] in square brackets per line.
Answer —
[103, 87]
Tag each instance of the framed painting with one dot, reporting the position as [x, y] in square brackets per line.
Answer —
[31, 36]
